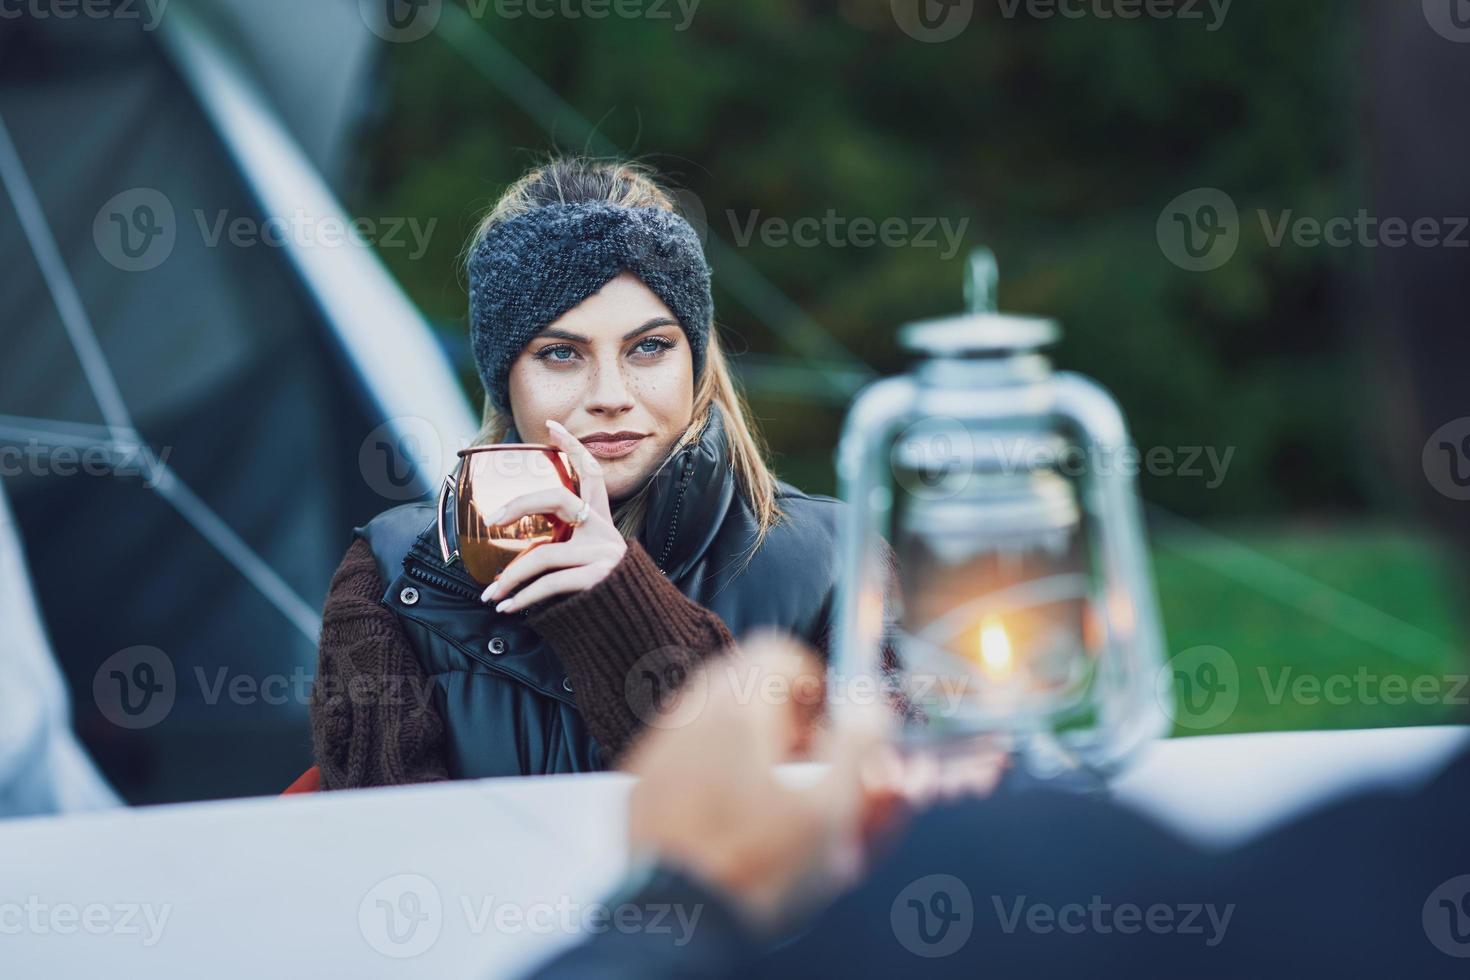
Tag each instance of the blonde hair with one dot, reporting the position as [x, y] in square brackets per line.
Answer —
[580, 179]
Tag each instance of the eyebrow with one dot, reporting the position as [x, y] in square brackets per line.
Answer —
[658, 321]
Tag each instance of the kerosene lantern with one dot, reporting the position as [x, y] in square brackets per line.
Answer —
[995, 569]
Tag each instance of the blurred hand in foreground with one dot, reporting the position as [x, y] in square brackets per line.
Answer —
[710, 801]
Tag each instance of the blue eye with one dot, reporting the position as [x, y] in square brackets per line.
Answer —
[561, 353]
[653, 346]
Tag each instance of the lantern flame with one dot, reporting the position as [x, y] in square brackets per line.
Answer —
[995, 648]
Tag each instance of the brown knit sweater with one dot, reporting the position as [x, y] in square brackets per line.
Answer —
[372, 714]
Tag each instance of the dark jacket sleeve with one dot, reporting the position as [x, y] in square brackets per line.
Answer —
[627, 644]
[685, 931]
[373, 720]
[1045, 883]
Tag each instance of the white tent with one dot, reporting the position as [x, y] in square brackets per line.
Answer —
[251, 403]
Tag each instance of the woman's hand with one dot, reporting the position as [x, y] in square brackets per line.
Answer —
[574, 565]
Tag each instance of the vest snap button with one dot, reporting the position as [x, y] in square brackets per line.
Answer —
[409, 596]
[496, 645]
[566, 684]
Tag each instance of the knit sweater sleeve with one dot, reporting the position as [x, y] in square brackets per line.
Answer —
[627, 643]
[373, 721]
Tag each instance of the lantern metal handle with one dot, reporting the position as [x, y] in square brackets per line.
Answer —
[1128, 607]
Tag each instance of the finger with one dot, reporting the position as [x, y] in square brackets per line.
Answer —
[809, 710]
[557, 500]
[972, 774]
[537, 561]
[589, 470]
[883, 805]
[849, 745]
[556, 583]
[777, 668]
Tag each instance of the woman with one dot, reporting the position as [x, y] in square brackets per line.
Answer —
[592, 329]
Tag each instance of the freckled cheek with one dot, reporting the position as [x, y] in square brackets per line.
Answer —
[561, 393]
[545, 395]
[665, 394]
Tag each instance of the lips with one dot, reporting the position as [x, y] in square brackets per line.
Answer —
[612, 445]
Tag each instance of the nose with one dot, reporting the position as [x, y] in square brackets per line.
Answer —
[609, 396]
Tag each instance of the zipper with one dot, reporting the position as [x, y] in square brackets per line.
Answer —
[416, 569]
[674, 516]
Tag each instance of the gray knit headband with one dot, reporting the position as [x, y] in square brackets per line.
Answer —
[526, 272]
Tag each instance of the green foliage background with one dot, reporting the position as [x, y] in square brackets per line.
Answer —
[1060, 141]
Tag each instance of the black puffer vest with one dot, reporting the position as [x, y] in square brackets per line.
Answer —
[507, 704]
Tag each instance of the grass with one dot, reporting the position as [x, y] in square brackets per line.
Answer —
[1325, 626]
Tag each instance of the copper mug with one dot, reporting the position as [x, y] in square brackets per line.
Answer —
[488, 478]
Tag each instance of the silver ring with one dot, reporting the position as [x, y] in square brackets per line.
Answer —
[582, 514]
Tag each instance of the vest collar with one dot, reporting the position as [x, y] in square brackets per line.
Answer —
[690, 495]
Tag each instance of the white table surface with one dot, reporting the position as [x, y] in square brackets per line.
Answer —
[498, 871]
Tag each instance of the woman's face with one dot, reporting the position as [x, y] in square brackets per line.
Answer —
[617, 372]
